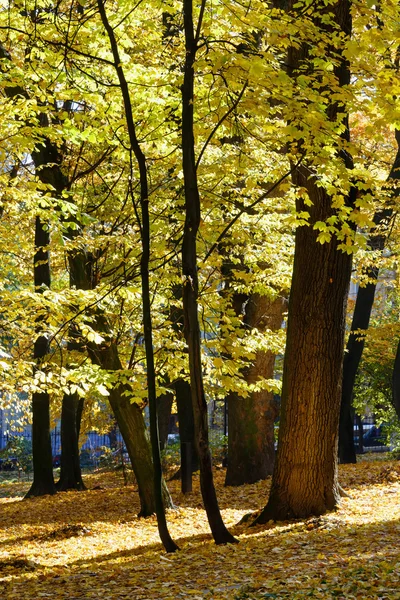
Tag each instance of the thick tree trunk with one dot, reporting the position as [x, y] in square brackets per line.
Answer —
[190, 288]
[361, 317]
[251, 444]
[70, 473]
[305, 476]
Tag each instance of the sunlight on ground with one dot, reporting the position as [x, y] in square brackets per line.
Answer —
[91, 544]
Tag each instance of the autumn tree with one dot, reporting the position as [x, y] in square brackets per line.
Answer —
[305, 476]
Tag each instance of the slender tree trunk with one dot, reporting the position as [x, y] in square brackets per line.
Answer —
[70, 473]
[305, 476]
[396, 382]
[186, 419]
[45, 156]
[164, 406]
[190, 288]
[251, 443]
[135, 148]
[361, 317]
[43, 481]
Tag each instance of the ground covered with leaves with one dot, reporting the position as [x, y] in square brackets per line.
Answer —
[91, 544]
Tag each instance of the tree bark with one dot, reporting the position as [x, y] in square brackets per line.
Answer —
[396, 382]
[70, 472]
[45, 156]
[251, 443]
[43, 481]
[164, 406]
[361, 317]
[130, 421]
[305, 480]
[190, 288]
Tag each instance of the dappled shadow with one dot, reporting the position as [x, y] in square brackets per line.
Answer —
[331, 559]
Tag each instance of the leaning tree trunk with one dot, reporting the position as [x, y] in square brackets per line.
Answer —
[190, 288]
[251, 443]
[130, 421]
[305, 476]
[361, 317]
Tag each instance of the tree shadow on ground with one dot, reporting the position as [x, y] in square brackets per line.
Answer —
[334, 559]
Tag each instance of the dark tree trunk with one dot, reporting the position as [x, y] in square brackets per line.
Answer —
[70, 473]
[396, 382]
[305, 480]
[164, 406]
[112, 434]
[190, 288]
[251, 443]
[136, 150]
[43, 481]
[186, 419]
[47, 158]
[80, 277]
[361, 317]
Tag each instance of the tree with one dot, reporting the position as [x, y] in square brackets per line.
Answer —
[190, 288]
[305, 476]
[251, 439]
[136, 150]
[360, 321]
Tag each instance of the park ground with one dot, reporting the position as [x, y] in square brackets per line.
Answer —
[91, 544]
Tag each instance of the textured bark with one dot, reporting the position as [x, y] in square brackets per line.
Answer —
[251, 444]
[305, 476]
[130, 422]
[361, 317]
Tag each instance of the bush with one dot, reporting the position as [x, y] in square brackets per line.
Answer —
[17, 454]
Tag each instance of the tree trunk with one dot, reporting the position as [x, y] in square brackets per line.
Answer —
[136, 150]
[70, 472]
[45, 156]
[251, 443]
[130, 422]
[43, 481]
[164, 406]
[396, 382]
[361, 317]
[305, 481]
[186, 419]
[190, 288]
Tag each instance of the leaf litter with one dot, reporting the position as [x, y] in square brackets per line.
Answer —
[92, 545]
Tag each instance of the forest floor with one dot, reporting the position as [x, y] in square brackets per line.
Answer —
[91, 544]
